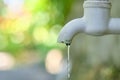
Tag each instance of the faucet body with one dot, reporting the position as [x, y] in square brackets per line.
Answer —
[96, 21]
[96, 16]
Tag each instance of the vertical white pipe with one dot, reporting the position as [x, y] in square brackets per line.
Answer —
[97, 16]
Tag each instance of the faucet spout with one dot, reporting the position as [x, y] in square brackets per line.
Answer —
[96, 22]
[70, 30]
[87, 24]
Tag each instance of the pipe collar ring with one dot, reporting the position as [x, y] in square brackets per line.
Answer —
[96, 4]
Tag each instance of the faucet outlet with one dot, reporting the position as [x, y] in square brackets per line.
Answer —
[96, 21]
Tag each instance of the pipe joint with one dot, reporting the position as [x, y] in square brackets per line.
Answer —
[95, 4]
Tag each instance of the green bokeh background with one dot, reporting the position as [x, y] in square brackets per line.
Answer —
[36, 27]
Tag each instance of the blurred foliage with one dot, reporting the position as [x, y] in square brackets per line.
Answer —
[34, 25]
[31, 24]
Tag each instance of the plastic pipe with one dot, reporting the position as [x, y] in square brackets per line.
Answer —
[96, 21]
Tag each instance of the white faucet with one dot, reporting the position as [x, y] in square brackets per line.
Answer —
[96, 21]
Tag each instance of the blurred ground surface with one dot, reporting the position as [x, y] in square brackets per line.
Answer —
[31, 72]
